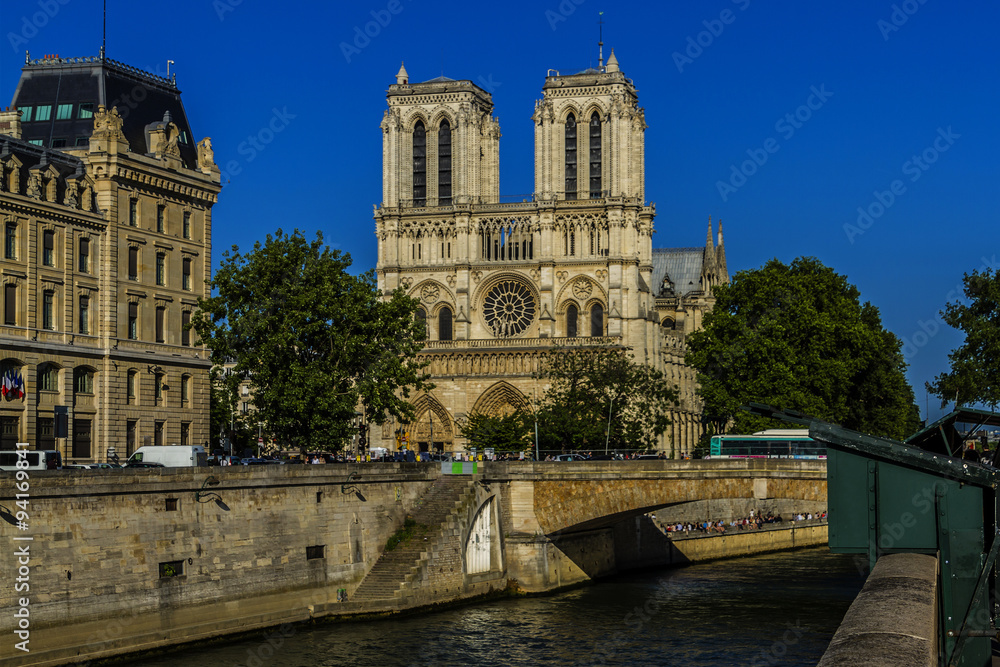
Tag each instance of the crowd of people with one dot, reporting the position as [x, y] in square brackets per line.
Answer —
[754, 521]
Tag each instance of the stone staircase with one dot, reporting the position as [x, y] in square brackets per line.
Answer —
[438, 509]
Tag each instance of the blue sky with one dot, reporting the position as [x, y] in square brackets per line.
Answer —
[780, 118]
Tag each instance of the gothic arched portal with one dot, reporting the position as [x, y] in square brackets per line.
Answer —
[433, 428]
[500, 400]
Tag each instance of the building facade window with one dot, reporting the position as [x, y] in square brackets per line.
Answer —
[161, 269]
[158, 391]
[48, 310]
[10, 304]
[444, 324]
[130, 387]
[161, 315]
[158, 429]
[64, 112]
[10, 241]
[86, 110]
[81, 438]
[186, 434]
[570, 157]
[84, 319]
[185, 328]
[161, 214]
[597, 320]
[419, 164]
[48, 248]
[595, 156]
[133, 264]
[444, 164]
[46, 433]
[133, 321]
[83, 263]
[48, 378]
[83, 380]
[421, 317]
[43, 113]
[187, 224]
[572, 315]
[133, 212]
[186, 391]
[186, 274]
[131, 432]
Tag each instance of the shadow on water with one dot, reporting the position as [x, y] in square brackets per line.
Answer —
[763, 610]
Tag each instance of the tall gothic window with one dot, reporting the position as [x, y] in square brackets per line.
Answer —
[595, 156]
[571, 317]
[444, 324]
[419, 164]
[421, 316]
[571, 157]
[597, 320]
[444, 164]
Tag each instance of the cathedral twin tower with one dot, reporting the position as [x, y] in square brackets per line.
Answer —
[503, 285]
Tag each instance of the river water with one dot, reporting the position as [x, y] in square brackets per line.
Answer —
[775, 609]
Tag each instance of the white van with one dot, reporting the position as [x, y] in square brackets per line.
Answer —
[38, 459]
[171, 456]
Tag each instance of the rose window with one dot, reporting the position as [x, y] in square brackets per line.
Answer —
[508, 309]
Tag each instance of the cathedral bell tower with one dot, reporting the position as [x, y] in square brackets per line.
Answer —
[589, 136]
[440, 144]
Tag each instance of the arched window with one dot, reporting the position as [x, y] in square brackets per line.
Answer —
[571, 157]
[48, 377]
[419, 164]
[595, 156]
[444, 323]
[572, 315]
[668, 323]
[444, 164]
[421, 316]
[597, 320]
[83, 381]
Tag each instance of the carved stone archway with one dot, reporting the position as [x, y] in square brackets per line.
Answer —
[432, 418]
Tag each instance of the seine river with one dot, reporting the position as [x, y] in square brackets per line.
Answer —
[778, 609]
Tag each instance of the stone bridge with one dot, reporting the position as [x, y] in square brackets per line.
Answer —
[564, 522]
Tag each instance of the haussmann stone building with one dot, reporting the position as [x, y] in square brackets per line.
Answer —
[501, 284]
[106, 211]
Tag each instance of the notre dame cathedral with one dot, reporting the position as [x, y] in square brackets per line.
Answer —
[503, 284]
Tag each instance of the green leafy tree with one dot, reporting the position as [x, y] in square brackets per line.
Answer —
[975, 366]
[797, 337]
[601, 396]
[502, 433]
[313, 341]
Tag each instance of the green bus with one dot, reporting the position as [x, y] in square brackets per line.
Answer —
[770, 444]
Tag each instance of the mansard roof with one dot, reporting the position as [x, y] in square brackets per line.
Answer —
[141, 97]
[681, 265]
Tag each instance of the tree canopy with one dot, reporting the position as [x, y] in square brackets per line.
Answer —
[602, 396]
[503, 433]
[797, 337]
[313, 341]
[975, 365]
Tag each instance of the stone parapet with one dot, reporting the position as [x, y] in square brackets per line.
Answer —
[893, 622]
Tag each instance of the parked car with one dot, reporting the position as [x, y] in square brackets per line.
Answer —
[570, 457]
[144, 464]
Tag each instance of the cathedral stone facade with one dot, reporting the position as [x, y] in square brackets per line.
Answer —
[106, 211]
[502, 285]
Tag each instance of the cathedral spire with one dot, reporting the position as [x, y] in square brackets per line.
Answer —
[709, 246]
